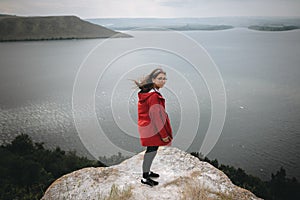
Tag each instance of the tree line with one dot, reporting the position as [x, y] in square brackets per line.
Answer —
[27, 169]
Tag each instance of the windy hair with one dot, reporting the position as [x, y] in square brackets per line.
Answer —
[145, 83]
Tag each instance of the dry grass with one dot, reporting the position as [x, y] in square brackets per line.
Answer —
[196, 174]
[178, 181]
[223, 196]
[116, 193]
[193, 190]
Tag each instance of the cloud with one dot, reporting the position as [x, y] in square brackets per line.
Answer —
[152, 8]
[178, 3]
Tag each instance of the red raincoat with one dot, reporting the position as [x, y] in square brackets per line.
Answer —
[153, 121]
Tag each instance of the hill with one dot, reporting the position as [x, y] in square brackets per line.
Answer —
[15, 28]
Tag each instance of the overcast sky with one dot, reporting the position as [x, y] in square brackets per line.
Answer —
[151, 8]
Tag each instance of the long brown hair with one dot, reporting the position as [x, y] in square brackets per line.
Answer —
[145, 83]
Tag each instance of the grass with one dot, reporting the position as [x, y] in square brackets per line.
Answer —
[193, 190]
[116, 193]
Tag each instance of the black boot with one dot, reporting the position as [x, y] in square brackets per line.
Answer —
[149, 181]
[153, 175]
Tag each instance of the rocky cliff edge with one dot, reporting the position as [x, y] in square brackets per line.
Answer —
[182, 176]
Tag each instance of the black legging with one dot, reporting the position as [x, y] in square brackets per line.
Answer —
[148, 158]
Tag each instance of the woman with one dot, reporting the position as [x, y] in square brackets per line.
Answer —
[153, 122]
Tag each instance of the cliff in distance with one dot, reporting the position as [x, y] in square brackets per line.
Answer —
[15, 28]
[182, 176]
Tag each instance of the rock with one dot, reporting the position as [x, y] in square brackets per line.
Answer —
[182, 176]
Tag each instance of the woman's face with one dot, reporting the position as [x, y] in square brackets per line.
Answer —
[160, 80]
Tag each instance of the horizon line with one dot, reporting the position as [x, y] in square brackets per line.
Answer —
[152, 17]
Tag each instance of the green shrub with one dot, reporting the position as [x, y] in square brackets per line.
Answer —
[27, 169]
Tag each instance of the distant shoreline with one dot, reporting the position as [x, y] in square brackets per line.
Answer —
[15, 28]
[178, 28]
[210, 28]
[55, 39]
[273, 28]
[48, 28]
[201, 24]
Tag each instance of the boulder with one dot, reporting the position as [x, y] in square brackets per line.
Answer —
[182, 176]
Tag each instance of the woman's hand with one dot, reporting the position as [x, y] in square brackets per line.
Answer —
[166, 139]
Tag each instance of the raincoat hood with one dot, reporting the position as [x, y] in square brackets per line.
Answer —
[144, 96]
